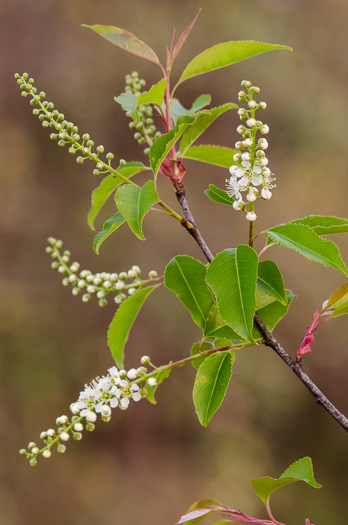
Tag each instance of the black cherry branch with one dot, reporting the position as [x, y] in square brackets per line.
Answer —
[269, 339]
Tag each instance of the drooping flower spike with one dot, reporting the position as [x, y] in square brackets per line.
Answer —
[86, 284]
[115, 390]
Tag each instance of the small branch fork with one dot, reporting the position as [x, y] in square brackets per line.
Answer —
[269, 339]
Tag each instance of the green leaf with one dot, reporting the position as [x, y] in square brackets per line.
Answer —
[270, 310]
[216, 155]
[225, 54]
[211, 383]
[217, 327]
[304, 241]
[338, 301]
[185, 276]
[162, 146]
[301, 470]
[125, 40]
[177, 110]
[232, 277]
[338, 297]
[341, 310]
[101, 194]
[128, 101]
[324, 225]
[204, 119]
[270, 281]
[151, 390]
[109, 227]
[217, 195]
[131, 102]
[155, 94]
[123, 321]
[134, 202]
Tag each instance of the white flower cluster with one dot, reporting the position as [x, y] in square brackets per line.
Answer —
[66, 132]
[250, 173]
[116, 389]
[99, 284]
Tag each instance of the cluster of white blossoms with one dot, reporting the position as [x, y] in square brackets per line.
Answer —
[117, 389]
[250, 173]
[99, 284]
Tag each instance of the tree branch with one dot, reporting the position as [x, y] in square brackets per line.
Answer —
[181, 196]
[269, 339]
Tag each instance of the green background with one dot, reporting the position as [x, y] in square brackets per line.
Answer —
[151, 463]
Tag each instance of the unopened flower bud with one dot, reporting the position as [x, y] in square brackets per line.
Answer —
[250, 216]
[152, 381]
[264, 129]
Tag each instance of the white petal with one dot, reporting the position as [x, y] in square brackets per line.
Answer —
[114, 402]
[257, 180]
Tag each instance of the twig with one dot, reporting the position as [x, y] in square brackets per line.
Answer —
[181, 196]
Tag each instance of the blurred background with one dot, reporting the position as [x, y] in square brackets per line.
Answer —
[151, 463]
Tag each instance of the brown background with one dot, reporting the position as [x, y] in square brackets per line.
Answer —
[151, 462]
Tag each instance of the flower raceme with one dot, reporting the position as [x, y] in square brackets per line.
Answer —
[115, 390]
[250, 173]
[100, 285]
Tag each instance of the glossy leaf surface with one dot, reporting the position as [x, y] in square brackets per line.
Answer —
[306, 242]
[217, 327]
[270, 281]
[123, 321]
[185, 276]
[204, 119]
[162, 146]
[225, 54]
[232, 277]
[134, 202]
[270, 310]
[301, 470]
[218, 195]
[109, 227]
[211, 383]
[216, 155]
[324, 225]
[108, 185]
